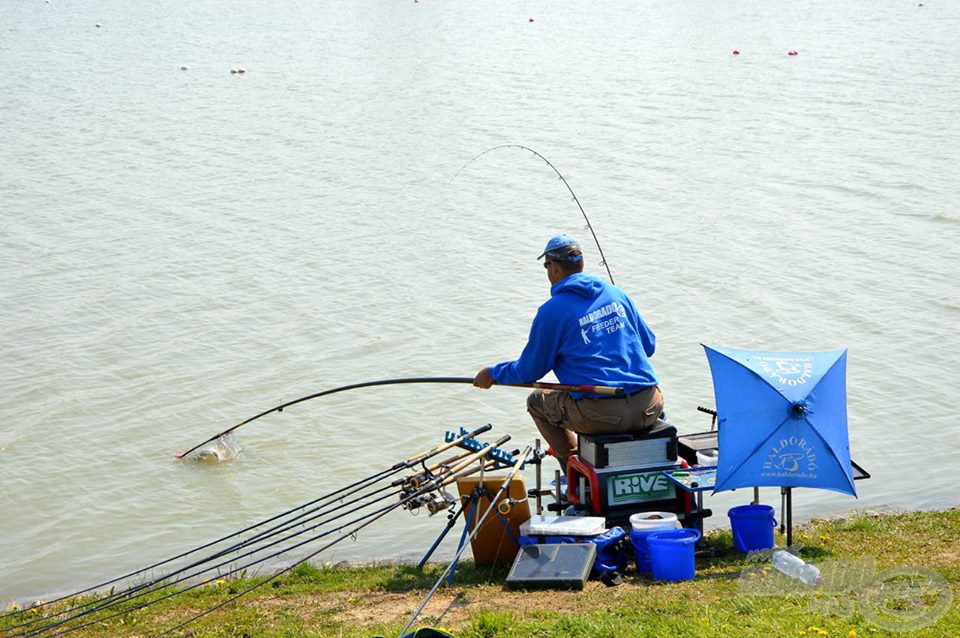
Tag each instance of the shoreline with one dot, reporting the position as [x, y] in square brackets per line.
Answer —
[352, 599]
[345, 564]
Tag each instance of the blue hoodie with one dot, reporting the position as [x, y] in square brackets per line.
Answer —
[588, 332]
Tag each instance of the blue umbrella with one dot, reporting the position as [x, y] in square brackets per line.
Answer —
[782, 419]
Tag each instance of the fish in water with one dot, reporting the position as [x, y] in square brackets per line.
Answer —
[223, 448]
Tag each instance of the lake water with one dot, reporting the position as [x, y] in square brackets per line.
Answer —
[182, 249]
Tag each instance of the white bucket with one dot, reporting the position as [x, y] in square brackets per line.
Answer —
[654, 521]
[707, 457]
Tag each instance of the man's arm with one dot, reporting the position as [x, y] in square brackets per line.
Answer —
[483, 379]
[537, 359]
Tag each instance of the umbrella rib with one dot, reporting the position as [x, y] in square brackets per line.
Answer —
[833, 453]
[748, 369]
[757, 374]
[833, 365]
[757, 449]
[847, 475]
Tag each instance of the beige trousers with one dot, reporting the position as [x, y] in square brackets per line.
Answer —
[559, 417]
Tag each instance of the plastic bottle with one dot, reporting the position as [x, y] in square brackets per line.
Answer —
[794, 567]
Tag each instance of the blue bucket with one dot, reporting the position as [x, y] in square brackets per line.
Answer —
[641, 552]
[752, 527]
[672, 554]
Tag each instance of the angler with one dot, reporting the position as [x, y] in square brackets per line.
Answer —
[572, 336]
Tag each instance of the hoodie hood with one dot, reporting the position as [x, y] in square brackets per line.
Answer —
[580, 284]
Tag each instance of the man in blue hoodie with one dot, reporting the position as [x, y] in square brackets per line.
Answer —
[589, 333]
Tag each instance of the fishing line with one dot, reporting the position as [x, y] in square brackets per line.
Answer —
[603, 260]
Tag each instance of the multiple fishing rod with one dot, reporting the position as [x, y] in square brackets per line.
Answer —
[435, 483]
[603, 260]
[594, 389]
[495, 501]
[362, 500]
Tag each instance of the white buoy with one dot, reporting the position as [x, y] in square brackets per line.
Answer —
[233, 71]
[241, 70]
[183, 67]
[98, 25]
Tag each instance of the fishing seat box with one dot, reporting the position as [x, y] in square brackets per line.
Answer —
[657, 446]
[616, 493]
[622, 474]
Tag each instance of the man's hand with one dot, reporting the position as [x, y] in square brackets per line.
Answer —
[483, 379]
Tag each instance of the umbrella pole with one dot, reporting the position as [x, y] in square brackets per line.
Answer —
[783, 510]
[756, 496]
[789, 517]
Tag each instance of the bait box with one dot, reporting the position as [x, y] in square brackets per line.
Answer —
[632, 449]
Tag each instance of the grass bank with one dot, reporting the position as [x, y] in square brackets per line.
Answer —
[917, 557]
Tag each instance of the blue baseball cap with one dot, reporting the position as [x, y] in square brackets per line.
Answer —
[562, 248]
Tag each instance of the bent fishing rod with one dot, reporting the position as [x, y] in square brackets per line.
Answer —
[603, 260]
[594, 389]
[342, 493]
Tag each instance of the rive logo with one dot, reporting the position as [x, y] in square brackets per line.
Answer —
[642, 486]
[790, 371]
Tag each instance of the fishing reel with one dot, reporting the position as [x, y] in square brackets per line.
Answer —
[417, 481]
[505, 506]
[439, 501]
[435, 501]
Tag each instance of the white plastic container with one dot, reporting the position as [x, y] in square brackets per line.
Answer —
[563, 526]
[707, 457]
[654, 521]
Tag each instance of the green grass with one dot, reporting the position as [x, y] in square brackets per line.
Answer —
[366, 601]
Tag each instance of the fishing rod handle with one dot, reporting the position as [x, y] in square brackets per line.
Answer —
[445, 446]
[482, 452]
[488, 466]
[567, 387]
[491, 465]
[593, 389]
[520, 462]
[448, 461]
[448, 475]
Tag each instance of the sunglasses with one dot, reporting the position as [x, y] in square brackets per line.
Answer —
[547, 262]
